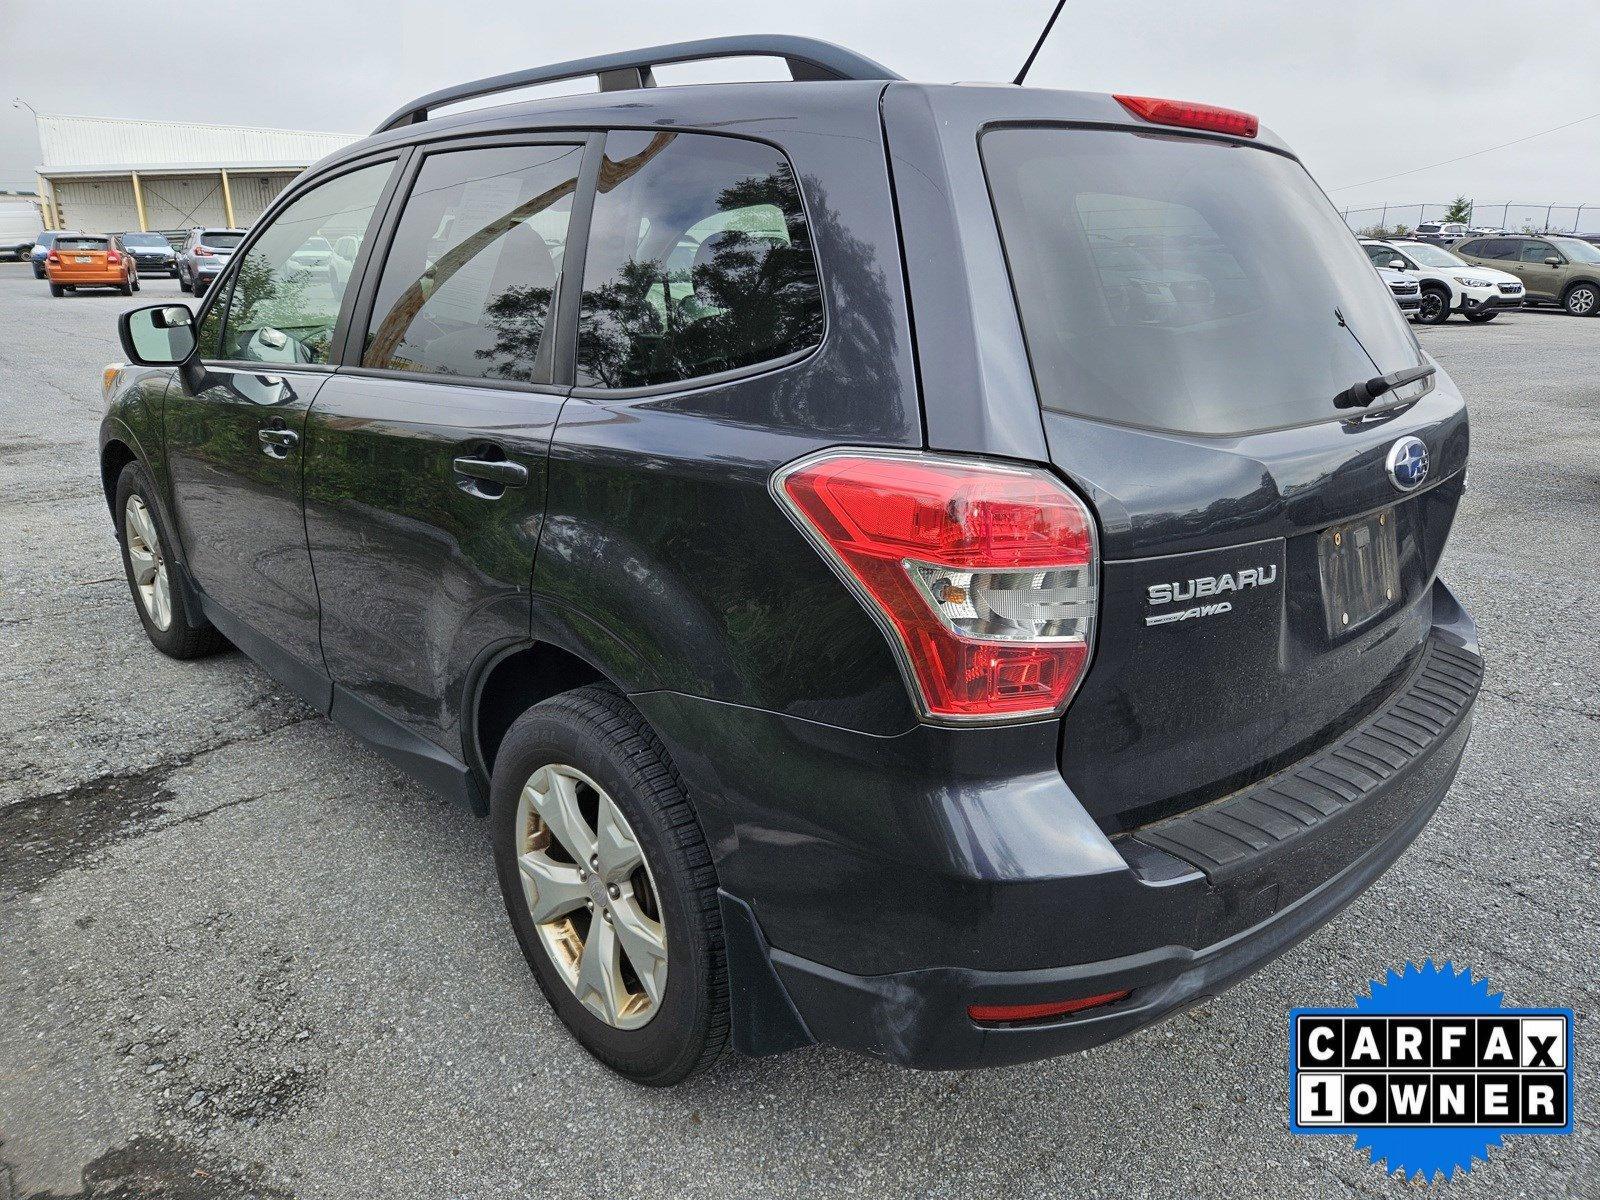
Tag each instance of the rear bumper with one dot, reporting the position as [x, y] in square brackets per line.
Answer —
[1031, 904]
[86, 279]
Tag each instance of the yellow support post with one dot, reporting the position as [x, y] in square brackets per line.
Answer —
[138, 202]
[227, 200]
[47, 203]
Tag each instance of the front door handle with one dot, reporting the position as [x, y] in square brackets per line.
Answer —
[506, 474]
[277, 442]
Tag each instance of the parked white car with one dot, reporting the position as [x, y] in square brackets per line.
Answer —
[1449, 283]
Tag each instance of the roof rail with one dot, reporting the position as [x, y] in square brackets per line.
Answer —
[809, 60]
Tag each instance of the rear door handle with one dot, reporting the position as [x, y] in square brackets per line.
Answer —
[506, 474]
[277, 442]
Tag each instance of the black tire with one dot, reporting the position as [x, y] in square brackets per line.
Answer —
[1582, 300]
[186, 635]
[183, 285]
[127, 287]
[57, 290]
[1435, 309]
[38, 270]
[601, 734]
[134, 279]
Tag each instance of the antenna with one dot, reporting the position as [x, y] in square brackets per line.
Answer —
[1039, 45]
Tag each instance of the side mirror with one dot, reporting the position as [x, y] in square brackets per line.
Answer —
[160, 336]
[1554, 260]
[1398, 264]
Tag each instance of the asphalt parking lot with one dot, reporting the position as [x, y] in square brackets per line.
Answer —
[241, 956]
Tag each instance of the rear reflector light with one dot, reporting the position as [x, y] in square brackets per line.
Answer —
[1036, 1012]
[1191, 116]
[983, 575]
[52, 257]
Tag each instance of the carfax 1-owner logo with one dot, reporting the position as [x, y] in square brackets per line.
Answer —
[1430, 1070]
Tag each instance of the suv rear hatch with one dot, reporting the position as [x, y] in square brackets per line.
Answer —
[1189, 306]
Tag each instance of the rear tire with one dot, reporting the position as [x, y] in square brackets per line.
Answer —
[57, 290]
[127, 287]
[595, 733]
[183, 285]
[158, 596]
[1435, 308]
[1582, 300]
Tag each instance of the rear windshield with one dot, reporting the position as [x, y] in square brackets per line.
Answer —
[81, 243]
[143, 239]
[1187, 284]
[220, 241]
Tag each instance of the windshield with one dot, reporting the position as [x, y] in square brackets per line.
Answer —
[143, 239]
[1432, 256]
[220, 241]
[1578, 250]
[1181, 283]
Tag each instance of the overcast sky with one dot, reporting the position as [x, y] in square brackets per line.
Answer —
[1362, 89]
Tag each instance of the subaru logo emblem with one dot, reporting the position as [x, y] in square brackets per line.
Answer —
[1408, 463]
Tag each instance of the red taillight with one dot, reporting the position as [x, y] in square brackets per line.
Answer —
[1191, 116]
[53, 257]
[1037, 1012]
[984, 574]
[201, 252]
[113, 258]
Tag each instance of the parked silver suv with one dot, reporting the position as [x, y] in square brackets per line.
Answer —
[205, 252]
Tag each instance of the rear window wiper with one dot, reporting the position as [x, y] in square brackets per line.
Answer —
[1359, 395]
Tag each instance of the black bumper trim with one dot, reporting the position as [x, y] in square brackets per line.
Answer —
[1225, 837]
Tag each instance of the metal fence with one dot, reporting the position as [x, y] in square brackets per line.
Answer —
[1530, 218]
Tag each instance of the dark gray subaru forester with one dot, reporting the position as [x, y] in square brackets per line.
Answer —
[943, 571]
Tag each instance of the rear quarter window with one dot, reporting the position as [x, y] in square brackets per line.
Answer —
[699, 262]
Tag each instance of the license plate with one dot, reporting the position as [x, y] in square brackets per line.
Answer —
[1360, 565]
[81, 258]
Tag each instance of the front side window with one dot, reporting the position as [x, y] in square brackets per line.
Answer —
[471, 276]
[699, 262]
[1537, 252]
[280, 312]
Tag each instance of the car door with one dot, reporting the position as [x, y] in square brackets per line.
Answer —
[1542, 279]
[425, 467]
[234, 420]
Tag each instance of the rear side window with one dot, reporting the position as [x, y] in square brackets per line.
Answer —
[1182, 283]
[699, 262]
[472, 272]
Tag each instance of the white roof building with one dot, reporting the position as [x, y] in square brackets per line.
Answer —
[106, 174]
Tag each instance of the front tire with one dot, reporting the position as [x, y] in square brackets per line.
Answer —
[1582, 300]
[152, 575]
[1481, 318]
[1435, 308]
[610, 886]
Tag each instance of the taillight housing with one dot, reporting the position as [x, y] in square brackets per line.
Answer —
[53, 257]
[983, 574]
[1188, 115]
[113, 258]
[202, 252]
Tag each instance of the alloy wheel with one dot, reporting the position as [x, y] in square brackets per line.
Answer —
[1581, 301]
[147, 563]
[591, 896]
[1433, 307]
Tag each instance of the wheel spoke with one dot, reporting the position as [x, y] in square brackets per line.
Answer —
[163, 599]
[147, 529]
[645, 944]
[552, 889]
[144, 564]
[599, 981]
[618, 850]
[557, 804]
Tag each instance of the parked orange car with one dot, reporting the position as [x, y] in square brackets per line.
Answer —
[90, 260]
